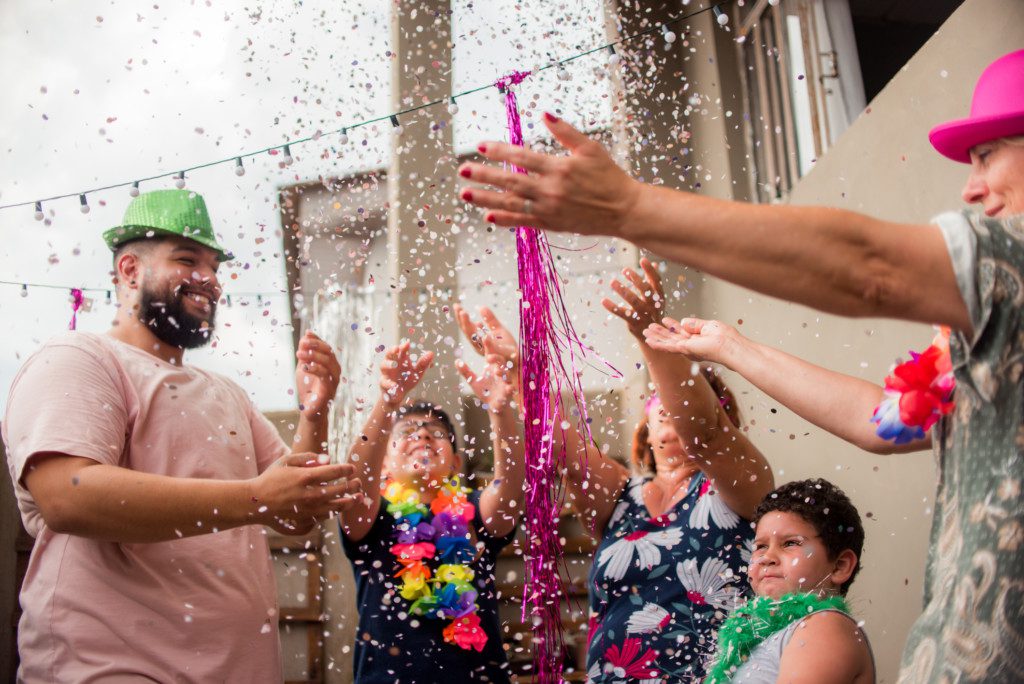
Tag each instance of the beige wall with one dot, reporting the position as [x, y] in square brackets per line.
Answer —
[884, 166]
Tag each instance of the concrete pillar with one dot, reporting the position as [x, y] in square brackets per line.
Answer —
[679, 123]
[422, 251]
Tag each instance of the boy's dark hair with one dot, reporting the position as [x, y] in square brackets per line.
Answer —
[426, 408]
[828, 509]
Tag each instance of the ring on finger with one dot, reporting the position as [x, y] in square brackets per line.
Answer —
[527, 206]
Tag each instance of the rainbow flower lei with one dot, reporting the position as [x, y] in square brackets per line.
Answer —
[441, 532]
[917, 393]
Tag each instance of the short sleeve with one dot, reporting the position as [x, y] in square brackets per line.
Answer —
[962, 243]
[988, 256]
[69, 400]
[266, 440]
[383, 525]
[495, 543]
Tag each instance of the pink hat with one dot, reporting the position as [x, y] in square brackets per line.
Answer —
[997, 110]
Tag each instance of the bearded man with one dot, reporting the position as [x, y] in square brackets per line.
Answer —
[145, 480]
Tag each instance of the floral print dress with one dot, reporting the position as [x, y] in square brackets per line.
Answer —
[660, 587]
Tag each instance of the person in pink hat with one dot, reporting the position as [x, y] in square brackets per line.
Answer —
[964, 271]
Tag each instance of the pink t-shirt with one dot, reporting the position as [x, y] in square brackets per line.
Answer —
[197, 609]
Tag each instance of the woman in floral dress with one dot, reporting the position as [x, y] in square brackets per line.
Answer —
[675, 534]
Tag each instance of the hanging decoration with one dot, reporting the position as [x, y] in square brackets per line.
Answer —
[77, 299]
[917, 394]
[342, 133]
[546, 338]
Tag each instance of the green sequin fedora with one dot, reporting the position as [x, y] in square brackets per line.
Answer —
[167, 212]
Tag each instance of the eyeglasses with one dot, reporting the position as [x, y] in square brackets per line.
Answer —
[408, 429]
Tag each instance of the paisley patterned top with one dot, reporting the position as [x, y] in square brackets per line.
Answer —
[660, 587]
[972, 628]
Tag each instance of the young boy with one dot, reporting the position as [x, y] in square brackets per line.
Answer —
[797, 629]
[423, 547]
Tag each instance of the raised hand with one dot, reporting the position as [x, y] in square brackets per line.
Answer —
[317, 374]
[399, 374]
[644, 299]
[585, 191]
[696, 338]
[300, 490]
[489, 332]
[494, 386]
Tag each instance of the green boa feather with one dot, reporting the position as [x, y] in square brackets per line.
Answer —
[756, 620]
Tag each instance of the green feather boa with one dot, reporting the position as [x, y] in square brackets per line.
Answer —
[756, 620]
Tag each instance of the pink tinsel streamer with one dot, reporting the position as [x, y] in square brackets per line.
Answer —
[77, 298]
[544, 337]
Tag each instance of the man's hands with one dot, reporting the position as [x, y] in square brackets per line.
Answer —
[399, 374]
[317, 374]
[494, 387]
[300, 490]
[492, 340]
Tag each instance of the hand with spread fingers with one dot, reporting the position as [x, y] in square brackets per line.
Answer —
[317, 374]
[644, 299]
[399, 373]
[493, 387]
[490, 338]
[299, 490]
[584, 192]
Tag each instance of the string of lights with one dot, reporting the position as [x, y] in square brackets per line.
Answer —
[612, 60]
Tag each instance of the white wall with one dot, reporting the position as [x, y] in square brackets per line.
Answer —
[884, 166]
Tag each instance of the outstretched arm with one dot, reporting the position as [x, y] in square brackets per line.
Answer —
[81, 497]
[740, 472]
[841, 404]
[399, 374]
[501, 503]
[834, 260]
[593, 481]
[317, 373]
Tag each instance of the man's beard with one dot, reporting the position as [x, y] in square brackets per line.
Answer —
[164, 313]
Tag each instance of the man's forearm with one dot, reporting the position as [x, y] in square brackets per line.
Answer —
[500, 504]
[111, 503]
[311, 434]
[367, 456]
[509, 463]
